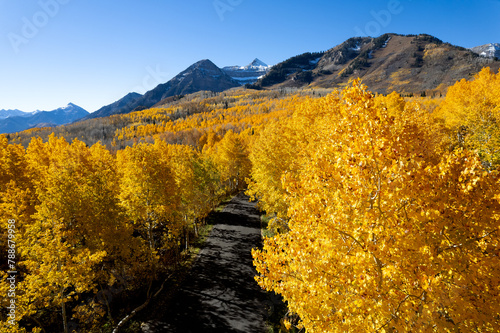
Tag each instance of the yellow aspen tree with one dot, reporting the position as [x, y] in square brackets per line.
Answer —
[197, 183]
[60, 263]
[16, 189]
[181, 163]
[471, 110]
[208, 140]
[148, 193]
[208, 186]
[389, 232]
[106, 229]
[393, 102]
[12, 183]
[16, 204]
[273, 154]
[209, 179]
[232, 159]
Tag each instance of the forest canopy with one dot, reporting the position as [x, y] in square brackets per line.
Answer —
[384, 211]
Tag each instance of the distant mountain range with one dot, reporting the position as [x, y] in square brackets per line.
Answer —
[13, 113]
[12, 121]
[392, 62]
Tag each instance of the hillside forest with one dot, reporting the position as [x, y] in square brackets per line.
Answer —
[383, 210]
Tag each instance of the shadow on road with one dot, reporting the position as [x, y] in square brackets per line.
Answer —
[220, 293]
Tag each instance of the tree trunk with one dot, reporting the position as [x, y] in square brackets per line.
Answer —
[139, 308]
[63, 307]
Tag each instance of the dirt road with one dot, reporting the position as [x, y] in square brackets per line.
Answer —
[220, 294]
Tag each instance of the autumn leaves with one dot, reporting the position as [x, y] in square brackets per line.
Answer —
[387, 228]
[471, 110]
[88, 219]
[385, 211]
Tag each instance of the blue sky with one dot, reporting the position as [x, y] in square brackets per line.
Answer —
[93, 52]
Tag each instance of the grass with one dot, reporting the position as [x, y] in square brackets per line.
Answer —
[264, 222]
[224, 203]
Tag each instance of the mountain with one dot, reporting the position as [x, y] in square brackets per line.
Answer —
[404, 63]
[120, 106]
[13, 113]
[203, 75]
[301, 66]
[59, 116]
[247, 74]
[491, 50]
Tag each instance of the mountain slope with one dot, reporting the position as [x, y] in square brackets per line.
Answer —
[60, 116]
[491, 50]
[116, 107]
[407, 64]
[247, 74]
[203, 75]
[300, 66]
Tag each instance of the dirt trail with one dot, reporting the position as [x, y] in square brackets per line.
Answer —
[220, 294]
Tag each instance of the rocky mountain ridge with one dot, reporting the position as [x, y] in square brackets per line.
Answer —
[407, 64]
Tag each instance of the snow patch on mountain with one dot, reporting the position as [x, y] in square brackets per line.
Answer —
[386, 42]
[315, 61]
[491, 50]
[247, 79]
[247, 74]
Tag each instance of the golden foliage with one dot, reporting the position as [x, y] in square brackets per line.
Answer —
[383, 221]
[471, 110]
[389, 232]
[87, 219]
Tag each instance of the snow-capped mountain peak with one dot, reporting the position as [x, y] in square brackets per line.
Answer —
[491, 50]
[256, 63]
[249, 73]
[69, 108]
